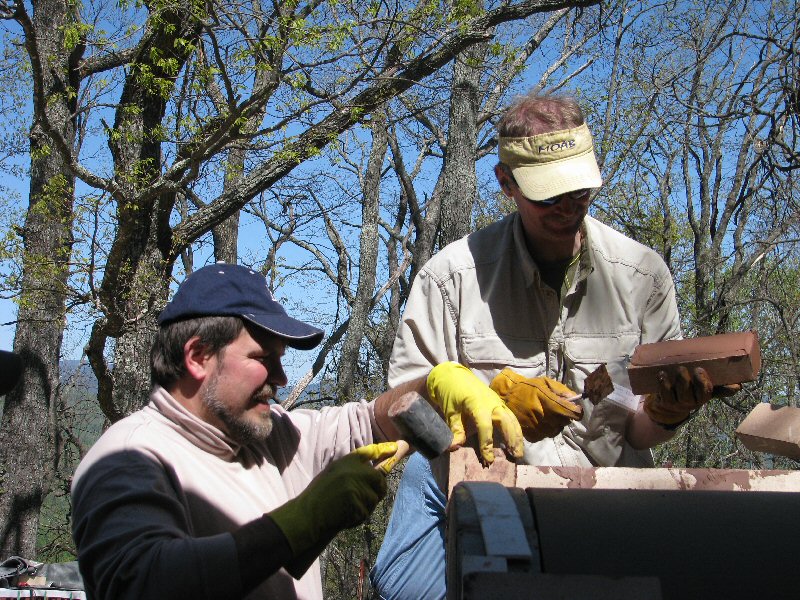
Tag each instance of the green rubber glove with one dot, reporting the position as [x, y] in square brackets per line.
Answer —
[539, 403]
[459, 393]
[341, 496]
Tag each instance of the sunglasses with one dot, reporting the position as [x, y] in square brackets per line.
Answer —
[576, 195]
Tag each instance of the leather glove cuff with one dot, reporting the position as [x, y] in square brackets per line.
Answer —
[669, 418]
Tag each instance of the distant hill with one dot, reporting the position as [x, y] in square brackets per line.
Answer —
[77, 373]
[87, 420]
[78, 380]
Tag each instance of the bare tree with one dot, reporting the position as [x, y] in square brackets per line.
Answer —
[409, 215]
[32, 408]
[368, 257]
[701, 139]
[209, 105]
[134, 285]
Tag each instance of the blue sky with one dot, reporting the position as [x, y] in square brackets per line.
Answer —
[7, 313]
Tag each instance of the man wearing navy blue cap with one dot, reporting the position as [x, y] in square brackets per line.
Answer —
[213, 490]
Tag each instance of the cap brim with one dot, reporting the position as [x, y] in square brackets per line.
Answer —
[296, 334]
[544, 181]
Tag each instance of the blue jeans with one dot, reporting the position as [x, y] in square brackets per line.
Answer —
[411, 562]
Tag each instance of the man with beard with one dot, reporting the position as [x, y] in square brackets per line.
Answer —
[533, 304]
[213, 490]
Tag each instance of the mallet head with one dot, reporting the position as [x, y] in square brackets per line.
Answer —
[420, 424]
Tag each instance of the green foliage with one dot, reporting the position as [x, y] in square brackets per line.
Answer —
[125, 4]
[40, 152]
[54, 191]
[74, 33]
[142, 171]
[467, 9]
[10, 249]
[83, 423]
[151, 80]
[54, 540]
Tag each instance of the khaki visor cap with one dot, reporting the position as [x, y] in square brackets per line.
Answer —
[553, 163]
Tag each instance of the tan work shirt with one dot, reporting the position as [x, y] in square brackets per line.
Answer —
[481, 302]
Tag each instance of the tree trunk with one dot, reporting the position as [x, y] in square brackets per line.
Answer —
[459, 179]
[137, 273]
[368, 256]
[27, 454]
[226, 239]
[145, 245]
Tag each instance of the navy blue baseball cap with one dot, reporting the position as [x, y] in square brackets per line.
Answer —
[223, 289]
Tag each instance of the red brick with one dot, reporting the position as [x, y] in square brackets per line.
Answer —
[727, 358]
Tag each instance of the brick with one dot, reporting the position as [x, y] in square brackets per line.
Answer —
[465, 466]
[772, 429]
[727, 358]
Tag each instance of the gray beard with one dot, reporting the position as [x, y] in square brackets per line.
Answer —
[240, 429]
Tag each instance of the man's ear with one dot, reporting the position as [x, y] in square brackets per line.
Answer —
[503, 180]
[197, 357]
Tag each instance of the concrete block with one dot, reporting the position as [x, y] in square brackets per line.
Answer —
[628, 478]
[546, 586]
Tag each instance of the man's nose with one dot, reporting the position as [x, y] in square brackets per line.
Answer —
[276, 375]
[573, 201]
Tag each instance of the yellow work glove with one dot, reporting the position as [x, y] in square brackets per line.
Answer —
[341, 496]
[680, 396]
[459, 393]
[539, 403]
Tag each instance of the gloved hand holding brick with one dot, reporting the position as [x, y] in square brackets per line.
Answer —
[680, 396]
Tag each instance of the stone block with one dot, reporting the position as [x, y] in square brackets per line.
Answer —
[772, 429]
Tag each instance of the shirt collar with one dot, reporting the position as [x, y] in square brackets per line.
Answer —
[528, 268]
[585, 265]
[203, 435]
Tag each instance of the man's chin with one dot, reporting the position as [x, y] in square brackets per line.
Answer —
[250, 430]
[567, 231]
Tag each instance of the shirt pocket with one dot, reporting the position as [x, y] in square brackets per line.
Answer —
[490, 353]
[601, 432]
[584, 354]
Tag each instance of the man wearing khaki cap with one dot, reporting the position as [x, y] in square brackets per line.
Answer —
[533, 304]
